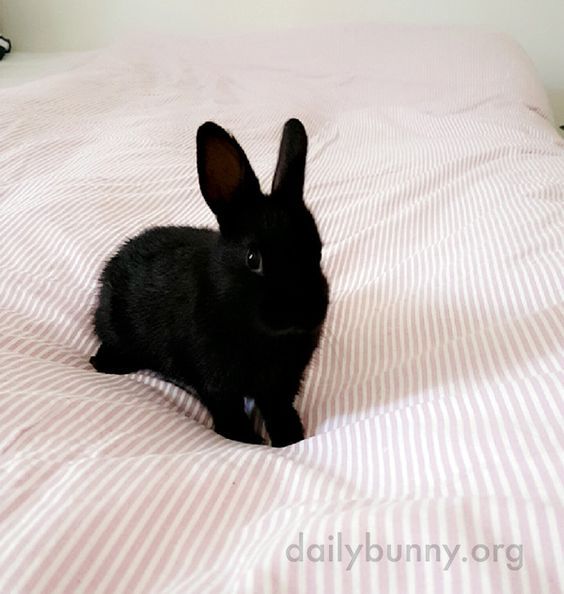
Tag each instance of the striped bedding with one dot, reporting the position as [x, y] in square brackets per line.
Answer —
[433, 409]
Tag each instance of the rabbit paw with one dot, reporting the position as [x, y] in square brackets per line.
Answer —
[109, 360]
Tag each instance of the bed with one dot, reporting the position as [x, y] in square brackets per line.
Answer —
[433, 408]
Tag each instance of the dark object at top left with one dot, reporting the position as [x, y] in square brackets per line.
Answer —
[5, 46]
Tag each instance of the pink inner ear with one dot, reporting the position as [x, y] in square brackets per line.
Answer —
[224, 172]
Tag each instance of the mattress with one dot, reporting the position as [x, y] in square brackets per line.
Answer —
[21, 67]
[433, 408]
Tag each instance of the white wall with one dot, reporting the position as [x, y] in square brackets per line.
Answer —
[75, 24]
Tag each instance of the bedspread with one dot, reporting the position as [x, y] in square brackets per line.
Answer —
[433, 408]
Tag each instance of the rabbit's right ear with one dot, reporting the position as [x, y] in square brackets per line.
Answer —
[290, 169]
[225, 174]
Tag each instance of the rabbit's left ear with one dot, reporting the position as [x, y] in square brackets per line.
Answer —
[226, 177]
[290, 170]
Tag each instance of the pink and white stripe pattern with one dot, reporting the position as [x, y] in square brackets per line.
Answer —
[434, 407]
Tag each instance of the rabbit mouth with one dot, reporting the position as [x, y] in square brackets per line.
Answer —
[301, 316]
[314, 333]
[290, 330]
[293, 330]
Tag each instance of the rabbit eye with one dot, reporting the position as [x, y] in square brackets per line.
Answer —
[254, 260]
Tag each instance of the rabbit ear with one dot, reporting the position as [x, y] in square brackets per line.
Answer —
[290, 170]
[226, 177]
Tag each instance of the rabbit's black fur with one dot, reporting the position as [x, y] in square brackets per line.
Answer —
[233, 313]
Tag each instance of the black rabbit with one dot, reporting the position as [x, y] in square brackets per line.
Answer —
[236, 313]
